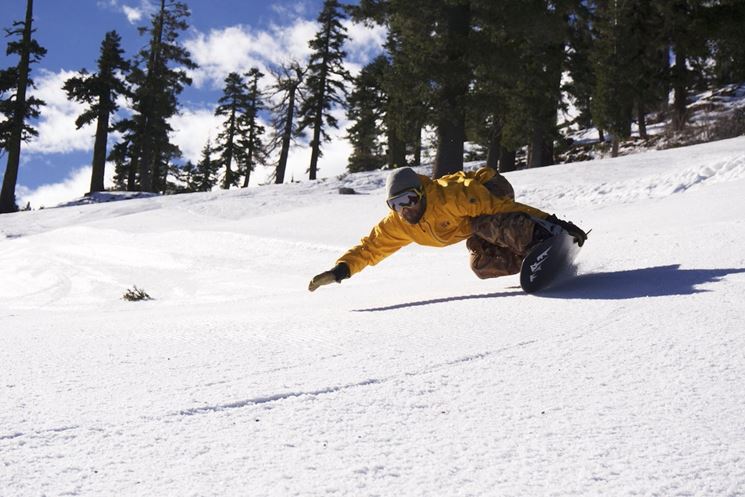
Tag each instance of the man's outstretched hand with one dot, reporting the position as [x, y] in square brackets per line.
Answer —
[325, 278]
[335, 275]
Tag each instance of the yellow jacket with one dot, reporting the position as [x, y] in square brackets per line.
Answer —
[451, 203]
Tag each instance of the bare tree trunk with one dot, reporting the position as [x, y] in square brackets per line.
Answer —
[99, 147]
[680, 91]
[249, 161]
[157, 174]
[286, 138]
[228, 182]
[318, 121]
[495, 145]
[642, 121]
[315, 146]
[544, 125]
[146, 166]
[418, 145]
[449, 158]
[451, 124]
[147, 154]
[396, 150]
[536, 156]
[132, 174]
[507, 160]
[317, 125]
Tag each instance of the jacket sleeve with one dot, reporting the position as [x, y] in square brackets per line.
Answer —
[384, 239]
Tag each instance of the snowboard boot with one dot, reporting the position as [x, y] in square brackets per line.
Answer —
[540, 233]
[554, 225]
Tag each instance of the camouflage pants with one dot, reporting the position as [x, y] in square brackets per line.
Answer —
[500, 241]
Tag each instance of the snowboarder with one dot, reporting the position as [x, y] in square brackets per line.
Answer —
[478, 207]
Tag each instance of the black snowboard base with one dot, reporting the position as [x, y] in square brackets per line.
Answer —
[547, 262]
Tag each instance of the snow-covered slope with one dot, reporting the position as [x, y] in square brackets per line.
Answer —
[412, 378]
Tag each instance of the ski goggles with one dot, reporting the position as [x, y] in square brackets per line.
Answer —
[406, 198]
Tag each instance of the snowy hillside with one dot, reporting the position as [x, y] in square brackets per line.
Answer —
[413, 378]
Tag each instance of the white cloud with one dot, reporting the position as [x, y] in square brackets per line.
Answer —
[56, 126]
[237, 49]
[74, 186]
[294, 39]
[222, 51]
[135, 14]
[191, 130]
[296, 9]
[107, 3]
[365, 42]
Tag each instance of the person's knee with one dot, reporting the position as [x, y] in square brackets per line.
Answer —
[485, 267]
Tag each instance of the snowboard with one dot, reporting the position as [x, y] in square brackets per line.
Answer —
[548, 261]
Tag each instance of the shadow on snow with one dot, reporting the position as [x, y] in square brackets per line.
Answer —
[440, 301]
[660, 281]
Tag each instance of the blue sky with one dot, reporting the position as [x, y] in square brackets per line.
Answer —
[225, 35]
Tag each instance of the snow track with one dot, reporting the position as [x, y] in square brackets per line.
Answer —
[412, 378]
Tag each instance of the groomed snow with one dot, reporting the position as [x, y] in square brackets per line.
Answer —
[413, 378]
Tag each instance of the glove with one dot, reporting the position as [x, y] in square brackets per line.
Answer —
[571, 228]
[335, 275]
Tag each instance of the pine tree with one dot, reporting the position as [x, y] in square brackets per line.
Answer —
[232, 105]
[649, 55]
[685, 30]
[537, 36]
[495, 69]
[159, 77]
[365, 109]
[120, 155]
[407, 88]
[287, 85]
[8, 85]
[612, 104]
[17, 108]
[204, 177]
[409, 83]
[325, 81]
[100, 91]
[252, 149]
[518, 57]
[725, 20]
[579, 64]
[452, 77]
[201, 177]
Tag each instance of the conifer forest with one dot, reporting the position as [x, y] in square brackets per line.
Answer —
[494, 74]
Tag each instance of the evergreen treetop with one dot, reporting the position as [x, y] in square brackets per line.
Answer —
[325, 79]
